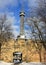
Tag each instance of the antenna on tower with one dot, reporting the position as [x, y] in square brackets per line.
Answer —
[22, 6]
[22, 13]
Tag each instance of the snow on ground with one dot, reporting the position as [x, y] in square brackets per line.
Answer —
[32, 63]
[23, 63]
[4, 63]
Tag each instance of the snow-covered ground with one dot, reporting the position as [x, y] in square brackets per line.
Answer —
[4, 63]
[23, 63]
[32, 63]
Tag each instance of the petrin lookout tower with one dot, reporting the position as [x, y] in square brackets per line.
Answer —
[22, 15]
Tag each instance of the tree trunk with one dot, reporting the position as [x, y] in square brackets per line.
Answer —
[0, 51]
[40, 56]
[44, 55]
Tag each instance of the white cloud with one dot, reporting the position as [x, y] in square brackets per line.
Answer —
[16, 33]
[11, 18]
[32, 3]
[4, 3]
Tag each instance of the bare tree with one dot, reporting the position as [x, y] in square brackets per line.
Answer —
[41, 10]
[5, 31]
[38, 31]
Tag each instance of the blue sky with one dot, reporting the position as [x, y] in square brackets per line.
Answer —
[13, 7]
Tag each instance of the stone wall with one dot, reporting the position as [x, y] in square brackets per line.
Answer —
[29, 52]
